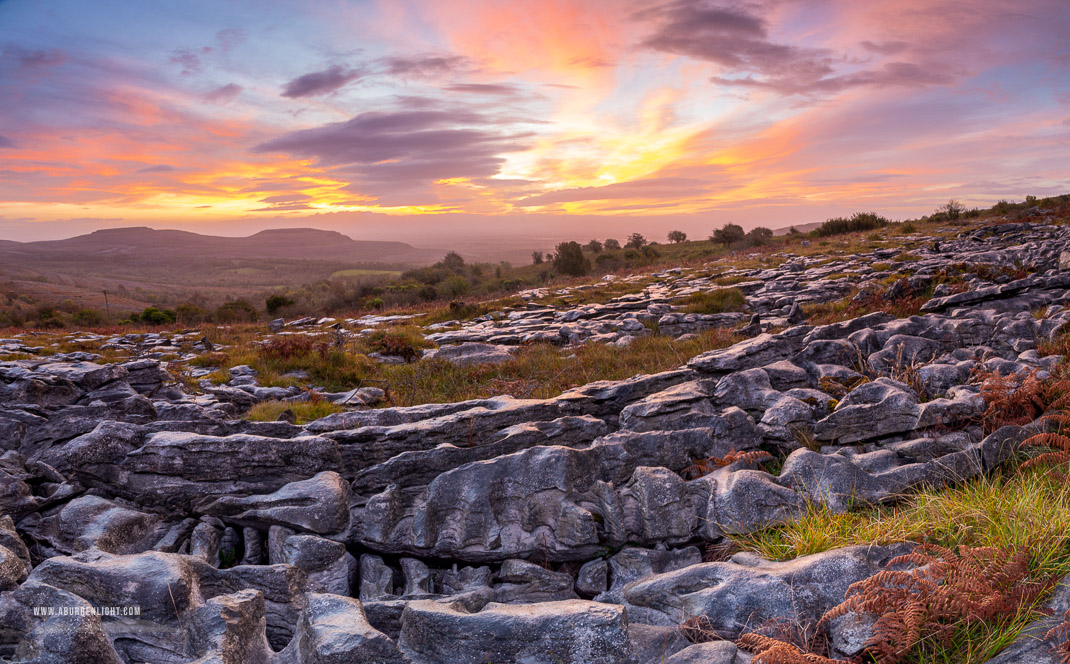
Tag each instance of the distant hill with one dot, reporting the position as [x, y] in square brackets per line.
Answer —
[142, 244]
[140, 266]
[802, 228]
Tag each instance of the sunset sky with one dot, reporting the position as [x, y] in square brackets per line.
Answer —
[407, 118]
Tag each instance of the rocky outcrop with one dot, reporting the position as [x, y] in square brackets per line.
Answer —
[579, 528]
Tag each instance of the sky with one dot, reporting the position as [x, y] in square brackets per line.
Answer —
[464, 119]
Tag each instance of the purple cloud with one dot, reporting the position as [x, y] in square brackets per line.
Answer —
[320, 82]
[28, 58]
[159, 168]
[189, 60]
[906, 74]
[6, 142]
[224, 93]
[424, 66]
[738, 40]
[405, 149]
[502, 89]
[730, 37]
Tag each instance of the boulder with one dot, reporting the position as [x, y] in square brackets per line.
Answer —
[468, 354]
[319, 504]
[566, 632]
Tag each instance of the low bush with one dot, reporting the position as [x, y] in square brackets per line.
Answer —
[859, 221]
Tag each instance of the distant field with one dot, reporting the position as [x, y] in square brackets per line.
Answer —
[358, 272]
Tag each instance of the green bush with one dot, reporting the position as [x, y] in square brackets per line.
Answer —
[716, 301]
[569, 259]
[728, 234]
[156, 316]
[859, 221]
[454, 286]
[49, 317]
[275, 303]
[236, 311]
[191, 313]
[635, 241]
[87, 317]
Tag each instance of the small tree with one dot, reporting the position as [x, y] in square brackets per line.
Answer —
[728, 234]
[759, 236]
[594, 246]
[953, 209]
[536, 258]
[611, 245]
[677, 237]
[275, 303]
[569, 259]
[635, 241]
[453, 262]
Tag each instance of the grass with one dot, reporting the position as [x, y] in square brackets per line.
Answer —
[304, 412]
[718, 301]
[536, 371]
[1016, 508]
[357, 272]
[542, 370]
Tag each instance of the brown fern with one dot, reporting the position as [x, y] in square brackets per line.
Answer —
[768, 650]
[1060, 638]
[703, 467]
[943, 591]
[752, 457]
[1010, 400]
[1057, 420]
[698, 629]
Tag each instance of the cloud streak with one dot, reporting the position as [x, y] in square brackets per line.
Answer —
[320, 82]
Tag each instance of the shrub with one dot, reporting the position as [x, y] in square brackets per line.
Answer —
[594, 246]
[87, 317]
[611, 244]
[190, 313]
[649, 252]
[716, 301]
[953, 209]
[569, 259]
[454, 286]
[728, 234]
[275, 303]
[49, 317]
[452, 261]
[677, 237]
[155, 316]
[375, 303]
[758, 237]
[236, 311]
[635, 241]
[859, 221]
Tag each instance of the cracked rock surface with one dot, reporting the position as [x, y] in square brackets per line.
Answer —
[569, 529]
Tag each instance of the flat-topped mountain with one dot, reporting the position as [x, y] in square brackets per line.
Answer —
[146, 244]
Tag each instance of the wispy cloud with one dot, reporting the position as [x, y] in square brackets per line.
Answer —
[320, 82]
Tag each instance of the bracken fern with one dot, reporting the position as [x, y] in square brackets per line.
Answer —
[945, 591]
